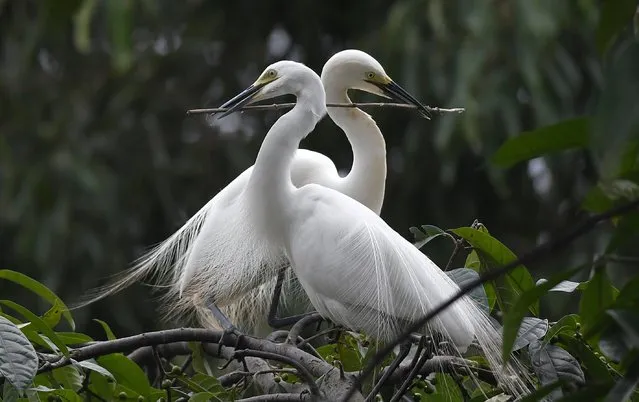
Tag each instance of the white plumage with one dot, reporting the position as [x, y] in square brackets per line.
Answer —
[355, 269]
[217, 256]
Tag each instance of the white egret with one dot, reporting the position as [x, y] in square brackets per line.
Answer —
[356, 270]
[216, 255]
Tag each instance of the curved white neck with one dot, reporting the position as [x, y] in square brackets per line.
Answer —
[270, 188]
[366, 181]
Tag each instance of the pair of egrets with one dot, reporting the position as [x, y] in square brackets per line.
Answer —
[292, 207]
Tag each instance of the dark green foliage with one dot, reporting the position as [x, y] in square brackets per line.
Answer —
[97, 162]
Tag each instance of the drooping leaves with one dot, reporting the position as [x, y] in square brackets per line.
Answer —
[107, 330]
[463, 276]
[497, 254]
[126, 372]
[568, 134]
[39, 289]
[515, 314]
[38, 324]
[530, 330]
[425, 233]
[552, 363]
[18, 360]
[597, 296]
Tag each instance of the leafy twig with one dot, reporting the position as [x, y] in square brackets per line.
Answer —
[535, 254]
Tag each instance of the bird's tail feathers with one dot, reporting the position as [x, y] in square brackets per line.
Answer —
[164, 261]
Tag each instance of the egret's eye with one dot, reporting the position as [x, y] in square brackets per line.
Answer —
[370, 75]
[271, 74]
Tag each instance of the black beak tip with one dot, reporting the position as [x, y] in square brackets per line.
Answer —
[426, 113]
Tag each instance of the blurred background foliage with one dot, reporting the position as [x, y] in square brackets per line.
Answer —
[98, 160]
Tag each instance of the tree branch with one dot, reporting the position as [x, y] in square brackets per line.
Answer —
[174, 342]
[535, 254]
[302, 371]
[442, 364]
[277, 398]
[276, 106]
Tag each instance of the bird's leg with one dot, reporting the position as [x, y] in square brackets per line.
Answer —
[404, 348]
[227, 326]
[221, 317]
[273, 320]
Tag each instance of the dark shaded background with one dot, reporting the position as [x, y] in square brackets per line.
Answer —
[98, 160]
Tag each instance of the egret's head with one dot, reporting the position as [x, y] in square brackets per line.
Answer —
[354, 69]
[281, 78]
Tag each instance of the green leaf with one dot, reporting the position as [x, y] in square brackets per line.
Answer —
[53, 315]
[348, 353]
[126, 372]
[446, 389]
[552, 363]
[209, 385]
[18, 360]
[578, 348]
[597, 296]
[93, 366]
[200, 363]
[625, 387]
[590, 393]
[200, 387]
[473, 261]
[82, 26]
[612, 344]
[38, 324]
[10, 393]
[425, 234]
[597, 201]
[514, 316]
[517, 280]
[541, 392]
[119, 17]
[628, 321]
[531, 329]
[66, 395]
[567, 324]
[563, 286]
[615, 16]
[203, 397]
[73, 338]
[69, 377]
[463, 276]
[107, 330]
[568, 134]
[39, 289]
[102, 386]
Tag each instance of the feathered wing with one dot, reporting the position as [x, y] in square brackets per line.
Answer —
[167, 259]
[190, 253]
[360, 273]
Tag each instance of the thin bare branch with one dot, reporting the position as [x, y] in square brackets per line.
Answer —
[276, 106]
